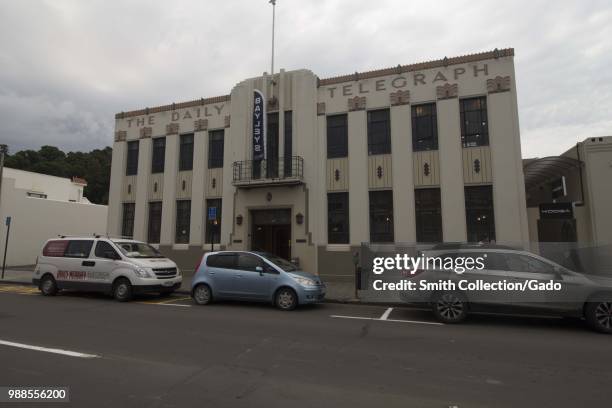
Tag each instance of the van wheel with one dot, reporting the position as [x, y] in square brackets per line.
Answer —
[449, 307]
[48, 286]
[286, 299]
[122, 290]
[599, 316]
[202, 294]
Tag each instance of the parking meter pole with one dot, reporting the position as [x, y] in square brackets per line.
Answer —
[8, 230]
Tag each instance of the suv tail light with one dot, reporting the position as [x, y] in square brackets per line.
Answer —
[198, 265]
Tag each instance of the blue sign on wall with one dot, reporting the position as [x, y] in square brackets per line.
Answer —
[259, 126]
[212, 213]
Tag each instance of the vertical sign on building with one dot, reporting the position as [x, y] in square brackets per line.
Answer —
[259, 128]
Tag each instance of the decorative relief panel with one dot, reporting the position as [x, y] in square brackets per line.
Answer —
[146, 132]
[447, 91]
[183, 184]
[357, 103]
[128, 192]
[399, 98]
[156, 187]
[120, 136]
[200, 125]
[426, 168]
[172, 129]
[320, 108]
[337, 174]
[214, 183]
[498, 84]
[477, 165]
[380, 171]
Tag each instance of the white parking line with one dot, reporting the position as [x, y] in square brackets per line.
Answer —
[386, 320]
[48, 350]
[385, 315]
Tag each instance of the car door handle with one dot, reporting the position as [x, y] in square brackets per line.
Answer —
[88, 263]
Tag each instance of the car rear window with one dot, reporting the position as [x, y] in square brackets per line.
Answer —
[55, 248]
[222, 261]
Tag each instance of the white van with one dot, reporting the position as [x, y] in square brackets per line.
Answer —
[120, 267]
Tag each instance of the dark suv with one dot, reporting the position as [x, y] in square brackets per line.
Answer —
[522, 274]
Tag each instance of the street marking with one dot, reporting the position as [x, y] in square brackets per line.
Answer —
[21, 290]
[386, 320]
[385, 315]
[48, 350]
[168, 302]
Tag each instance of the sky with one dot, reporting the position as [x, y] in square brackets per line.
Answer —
[67, 66]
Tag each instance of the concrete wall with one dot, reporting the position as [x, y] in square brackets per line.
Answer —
[34, 220]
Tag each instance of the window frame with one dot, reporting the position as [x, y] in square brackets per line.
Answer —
[425, 214]
[131, 161]
[184, 220]
[158, 164]
[467, 135]
[216, 148]
[432, 118]
[186, 151]
[125, 225]
[210, 224]
[384, 145]
[376, 210]
[473, 206]
[150, 231]
[337, 136]
[342, 237]
[85, 256]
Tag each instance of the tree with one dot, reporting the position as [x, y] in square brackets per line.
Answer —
[93, 166]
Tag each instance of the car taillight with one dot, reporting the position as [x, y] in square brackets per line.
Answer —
[198, 265]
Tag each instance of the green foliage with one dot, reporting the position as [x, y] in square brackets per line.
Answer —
[93, 166]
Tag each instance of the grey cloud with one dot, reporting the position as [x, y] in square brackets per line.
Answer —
[67, 66]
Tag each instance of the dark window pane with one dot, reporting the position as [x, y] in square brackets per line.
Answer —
[337, 218]
[215, 148]
[127, 228]
[131, 167]
[272, 146]
[186, 152]
[105, 250]
[424, 127]
[337, 136]
[155, 216]
[248, 262]
[474, 127]
[78, 249]
[183, 218]
[479, 214]
[213, 227]
[379, 132]
[381, 216]
[159, 155]
[287, 170]
[428, 215]
[227, 261]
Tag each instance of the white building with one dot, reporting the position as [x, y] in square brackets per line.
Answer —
[42, 207]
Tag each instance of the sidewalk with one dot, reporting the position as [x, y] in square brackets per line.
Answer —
[337, 291]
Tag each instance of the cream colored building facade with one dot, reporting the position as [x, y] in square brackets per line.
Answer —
[369, 178]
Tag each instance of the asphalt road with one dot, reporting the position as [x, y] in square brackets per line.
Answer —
[153, 354]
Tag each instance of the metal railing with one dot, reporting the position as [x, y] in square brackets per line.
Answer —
[282, 170]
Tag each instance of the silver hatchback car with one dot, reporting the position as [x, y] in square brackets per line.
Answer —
[254, 276]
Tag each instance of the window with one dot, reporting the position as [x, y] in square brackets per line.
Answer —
[55, 248]
[479, 214]
[337, 136]
[183, 218]
[38, 195]
[127, 227]
[155, 217]
[381, 216]
[272, 146]
[337, 218]
[131, 166]
[215, 148]
[159, 155]
[287, 170]
[105, 250]
[427, 205]
[379, 132]
[424, 127]
[78, 249]
[227, 261]
[474, 129]
[213, 227]
[248, 262]
[186, 152]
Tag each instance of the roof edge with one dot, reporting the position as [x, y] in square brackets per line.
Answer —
[173, 106]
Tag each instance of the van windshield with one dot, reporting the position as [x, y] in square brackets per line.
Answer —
[280, 262]
[138, 250]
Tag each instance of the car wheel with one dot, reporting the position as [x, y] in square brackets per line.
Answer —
[202, 294]
[48, 286]
[122, 290]
[286, 299]
[599, 315]
[450, 307]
